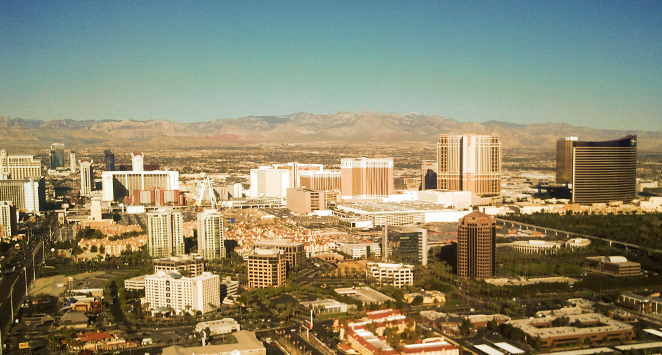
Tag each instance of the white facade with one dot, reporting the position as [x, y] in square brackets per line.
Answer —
[7, 219]
[131, 181]
[454, 199]
[165, 234]
[33, 188]
[397, 275]
[269, 182]
[85, 177]
[19, 167]
[359, 251]
[210, 235]
[183, 294]
[138, 162]
[221, 326]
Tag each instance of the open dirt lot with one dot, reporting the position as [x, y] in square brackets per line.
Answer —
[96, 279]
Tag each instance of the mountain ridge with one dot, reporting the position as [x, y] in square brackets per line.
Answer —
[299, 127]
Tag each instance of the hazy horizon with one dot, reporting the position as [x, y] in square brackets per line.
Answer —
[589, 63]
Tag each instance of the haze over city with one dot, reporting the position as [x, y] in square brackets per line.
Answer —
[588, 63]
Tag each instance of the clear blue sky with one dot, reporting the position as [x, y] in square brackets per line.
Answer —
[591, 63]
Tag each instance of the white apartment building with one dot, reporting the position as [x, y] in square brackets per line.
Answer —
[210, 235]
[269, 182]
[165, 235]
[183, 294]
[397, 275]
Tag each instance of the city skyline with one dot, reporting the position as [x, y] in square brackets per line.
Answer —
[588, 63]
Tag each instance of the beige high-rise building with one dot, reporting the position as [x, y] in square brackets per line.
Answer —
[72, 161]
[476, 246]
[183, 294]
[266, 268]
[294, 252]
[85, 176]
[165, 234]
[192, 265]
[18, 167]
[469, 162]
[366, 178]
[210, 235]
[324, 180]
[7, 219]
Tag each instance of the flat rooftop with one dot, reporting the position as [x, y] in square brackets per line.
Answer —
[364, 294]
[393, 207]
[610, 325]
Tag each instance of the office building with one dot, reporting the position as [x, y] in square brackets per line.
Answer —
[57, 156]
[18, 167]
[476, 246]
[109, 160]
[28, 195]
[598, 172]
[324, 180]
[86, 176]
[118, 185]
[229, 287]
[397, 275]
[266, 268]
[366, 178]
[269, 182]
[360, 250]
[294, 252]
[210, 235]
[7, 219]
[303, 201]
[428, 175]
[183, 294]
[190, 265]
[165, 234]
[407, 244]
[72, 161]
[469, 162]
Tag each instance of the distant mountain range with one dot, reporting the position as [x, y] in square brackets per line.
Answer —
[302, 127]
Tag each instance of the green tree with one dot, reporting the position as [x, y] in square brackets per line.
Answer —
[93, 249]
[418, 300]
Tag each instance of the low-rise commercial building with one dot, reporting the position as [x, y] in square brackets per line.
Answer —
[360, 250]
[327, 306]
[220, 326]
[397, 275]
[536, 247]
[247, 344]
[614, 266]
[438, 347]
[428, 297]
[595, 327]
[643, 304]
[364, 294]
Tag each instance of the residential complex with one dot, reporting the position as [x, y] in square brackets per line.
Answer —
[210, 235]
[469, 162]
[165, 234]
[598, 172]
[366, 178]
[476, 246]
[266, 268]
[182, 294]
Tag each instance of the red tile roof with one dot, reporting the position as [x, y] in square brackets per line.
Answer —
[96, 336]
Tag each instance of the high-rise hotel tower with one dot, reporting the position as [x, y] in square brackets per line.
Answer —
[210, 235]
[165, 233]
[598, 172]
[366, 178]
[469, 162]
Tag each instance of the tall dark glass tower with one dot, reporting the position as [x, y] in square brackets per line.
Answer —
[598, 172]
